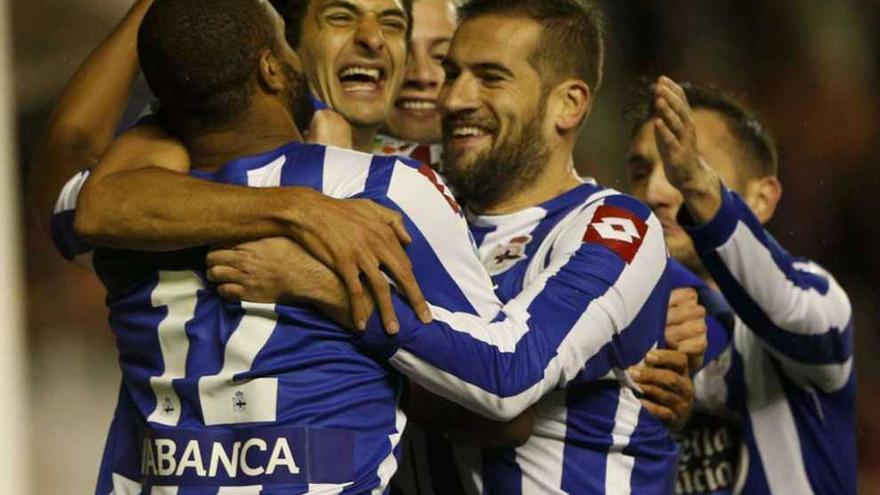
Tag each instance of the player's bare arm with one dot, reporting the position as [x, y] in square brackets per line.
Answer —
[677, 143]
[139, 197]
[666, 383]
[258, 271]
[88, 113]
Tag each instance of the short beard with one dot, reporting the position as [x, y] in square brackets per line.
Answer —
[297, 96]
[498, 173]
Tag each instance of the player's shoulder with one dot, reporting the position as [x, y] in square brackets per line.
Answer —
[610, 198]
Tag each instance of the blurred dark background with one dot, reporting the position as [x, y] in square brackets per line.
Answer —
[811, 68]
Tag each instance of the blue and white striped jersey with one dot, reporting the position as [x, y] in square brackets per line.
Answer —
[592, 436]
[274, 399]
[784, 382]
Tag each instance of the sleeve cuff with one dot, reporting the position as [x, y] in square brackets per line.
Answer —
[717, 231]
[376, 341]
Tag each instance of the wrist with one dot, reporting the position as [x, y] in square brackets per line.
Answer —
[702, 193]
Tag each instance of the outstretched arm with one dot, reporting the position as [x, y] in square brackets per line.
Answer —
[88, 113]
[796, 308]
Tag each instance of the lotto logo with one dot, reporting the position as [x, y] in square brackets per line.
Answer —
[617, 229]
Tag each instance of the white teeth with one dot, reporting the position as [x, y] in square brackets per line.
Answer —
[468, 132]
[373, 74]
[419, 105]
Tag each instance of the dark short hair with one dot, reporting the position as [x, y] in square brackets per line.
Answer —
[199, 57]
[572, 43]
[294, 13]
[755, 141]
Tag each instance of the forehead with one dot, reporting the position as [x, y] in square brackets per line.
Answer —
[361, 5]
[509, 41]
[434, 18]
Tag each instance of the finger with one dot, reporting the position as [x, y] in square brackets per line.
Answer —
[664, 134]
[674, 87]
[669, 360]
[231, 292]
[686, 314]
[222, 274]
[227, 257]
[676, 334]
[663, 397]
[670, 116]
[662, 413]
[379, 286]
[395, 220]
[682, 295]
[400, 269]
[679, 106]
[670, 380]
[357, 297]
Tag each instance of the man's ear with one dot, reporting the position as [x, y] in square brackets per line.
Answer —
[574, 101]
[763, 196]
[269, 72]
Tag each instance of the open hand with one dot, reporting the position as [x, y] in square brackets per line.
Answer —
[358, 239]
[683, 164]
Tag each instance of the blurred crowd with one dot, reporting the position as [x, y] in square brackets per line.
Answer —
[811, 68]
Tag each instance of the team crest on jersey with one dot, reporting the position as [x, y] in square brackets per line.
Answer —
[504, 256]
[618, 229]
[239, 404]
[167, 406]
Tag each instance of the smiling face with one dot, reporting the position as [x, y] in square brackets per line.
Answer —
[414, 116]
[648, 181]
[493, 107]
[354, 52]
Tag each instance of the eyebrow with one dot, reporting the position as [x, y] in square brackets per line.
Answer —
[492, 66]
[393, 12]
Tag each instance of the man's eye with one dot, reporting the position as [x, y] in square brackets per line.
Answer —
[492, 78]
[395, 25]
[338, 18]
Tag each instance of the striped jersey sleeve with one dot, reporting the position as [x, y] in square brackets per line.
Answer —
[607, 275]
[67, 242]
[796, 308]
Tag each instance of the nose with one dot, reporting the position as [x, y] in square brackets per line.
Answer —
[369, 34]
[660, 193]
[422, 72]
[459, 95]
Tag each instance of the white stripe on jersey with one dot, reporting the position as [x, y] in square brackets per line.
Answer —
[70, 193]
[217, 392]
[164, 490]
[240, 490]
[789, 307]
[618, 470]
[268, 175]
[419, 200]
[345, 172]
[175, 291]
[617, 308]
[125, 486]
[326, 488]
[389, 465]
[827, 377]
[772, 421]
[541, 459]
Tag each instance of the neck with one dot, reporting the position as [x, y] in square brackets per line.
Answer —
[362, 138]
[258, 131]
[557, 178]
